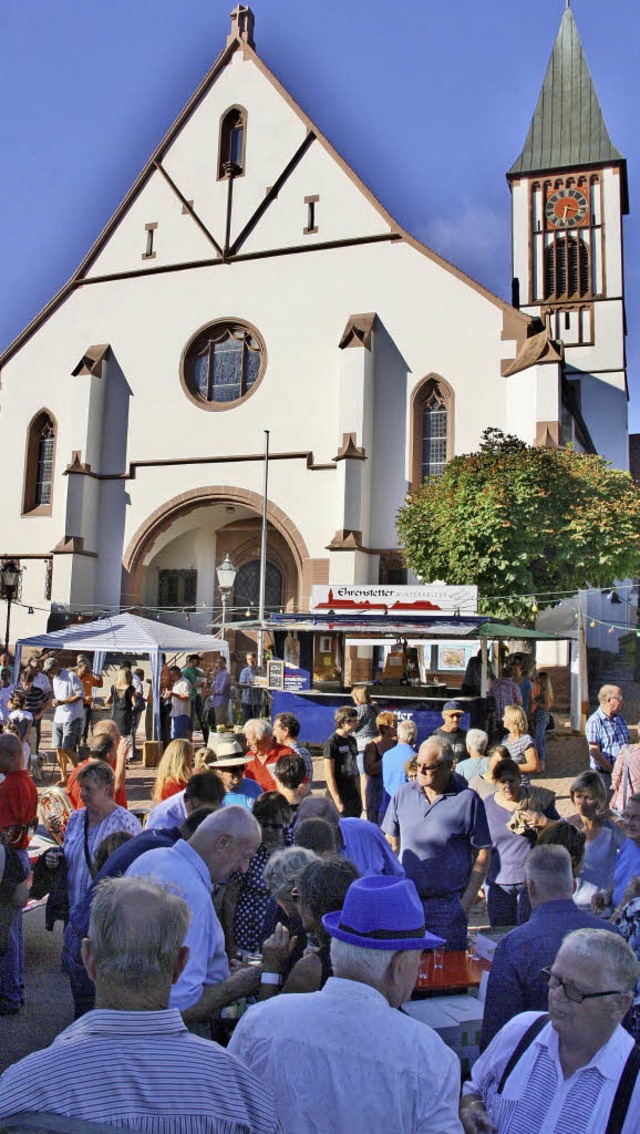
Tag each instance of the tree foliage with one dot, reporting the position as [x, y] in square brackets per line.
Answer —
[522, 520]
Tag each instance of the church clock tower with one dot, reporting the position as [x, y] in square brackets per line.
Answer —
[569, 194]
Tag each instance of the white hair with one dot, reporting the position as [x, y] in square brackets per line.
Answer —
[435, 744]
[136, 929]
[550, 869]
[610, 951]
[258, 728]
[354, 962]
[407, 732]
[477, 740]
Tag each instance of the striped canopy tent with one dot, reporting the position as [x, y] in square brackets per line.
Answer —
[126, 634]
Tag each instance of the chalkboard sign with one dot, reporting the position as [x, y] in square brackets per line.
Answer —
[275, 674]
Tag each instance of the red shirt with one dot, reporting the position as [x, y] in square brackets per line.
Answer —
[258, 769]
[73, 787]
[172, 787]
[18, 804]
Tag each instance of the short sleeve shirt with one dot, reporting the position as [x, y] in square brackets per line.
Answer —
[437, 839]
[609, 733]
[343, 751]
[457, 741]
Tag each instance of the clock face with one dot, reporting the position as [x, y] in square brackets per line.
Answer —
[566, 208]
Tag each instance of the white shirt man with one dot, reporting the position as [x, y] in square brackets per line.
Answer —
[566, 1078]
[343, 1059]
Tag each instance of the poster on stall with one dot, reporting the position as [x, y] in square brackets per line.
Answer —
[418, 601]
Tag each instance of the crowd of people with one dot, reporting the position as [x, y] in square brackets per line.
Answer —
[289, 925]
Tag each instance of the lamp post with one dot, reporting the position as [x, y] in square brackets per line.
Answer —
[226, 573]
[10, 574]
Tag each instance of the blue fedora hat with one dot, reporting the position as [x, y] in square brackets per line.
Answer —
[381, 913]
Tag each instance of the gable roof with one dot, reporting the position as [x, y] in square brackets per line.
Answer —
[240, 40]
[568, 127]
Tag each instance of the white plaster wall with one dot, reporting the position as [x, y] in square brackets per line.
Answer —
[176, 240]
[520, 235]
[604, 409]
[522, 405]
[274, 133]
[613, 233]
[607, 353]
[343, 212]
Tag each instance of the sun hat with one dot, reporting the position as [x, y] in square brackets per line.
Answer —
[229, 754]
[453, 707]
[381, 913]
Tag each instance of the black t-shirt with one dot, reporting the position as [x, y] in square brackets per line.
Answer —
[457, 742]
[343, 750]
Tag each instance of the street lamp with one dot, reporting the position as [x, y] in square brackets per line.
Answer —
[10, 575]
[226, 573]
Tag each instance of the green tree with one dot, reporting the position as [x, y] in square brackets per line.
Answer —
[518, 520]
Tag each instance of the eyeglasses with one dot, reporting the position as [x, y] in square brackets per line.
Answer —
[572, 992]
[424, 768]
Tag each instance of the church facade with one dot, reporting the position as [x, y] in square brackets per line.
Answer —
[250, 283]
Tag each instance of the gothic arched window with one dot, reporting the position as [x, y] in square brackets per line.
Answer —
[38, 481]
[233, 136]
[246, 591]
[432, 429]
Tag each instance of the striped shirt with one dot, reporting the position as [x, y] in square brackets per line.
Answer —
[609, 733]
[536, 1096]
[141, 1071]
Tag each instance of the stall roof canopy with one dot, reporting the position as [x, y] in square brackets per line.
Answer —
[127, 633]
[453, 626]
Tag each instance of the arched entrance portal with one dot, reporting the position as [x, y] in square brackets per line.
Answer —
[169, 565]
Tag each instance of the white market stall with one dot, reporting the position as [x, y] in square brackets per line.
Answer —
[126, 634]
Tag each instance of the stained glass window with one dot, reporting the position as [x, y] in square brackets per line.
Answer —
[434, 434]
[224, 363]
[44, 472]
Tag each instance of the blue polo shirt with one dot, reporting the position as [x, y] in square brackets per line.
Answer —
[393, 762]
[627, 864]
[437, 839]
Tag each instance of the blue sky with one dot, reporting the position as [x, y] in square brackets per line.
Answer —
[428, 100]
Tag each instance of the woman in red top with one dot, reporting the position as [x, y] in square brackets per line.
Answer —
[174, 770]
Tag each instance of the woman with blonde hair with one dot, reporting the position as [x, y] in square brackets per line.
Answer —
[518, 742]
[366, 728]
[174, 770]
[603, 837]
[122, 699]
[385, 739]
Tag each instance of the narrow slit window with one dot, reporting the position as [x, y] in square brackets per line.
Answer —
[312, 219]
[150, 232]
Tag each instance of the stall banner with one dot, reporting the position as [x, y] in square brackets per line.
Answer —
[296, 679]
[418, 601]
[316, 712]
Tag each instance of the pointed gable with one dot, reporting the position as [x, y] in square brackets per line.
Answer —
[568, 127]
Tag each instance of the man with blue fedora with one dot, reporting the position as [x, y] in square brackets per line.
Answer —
[344, 1059]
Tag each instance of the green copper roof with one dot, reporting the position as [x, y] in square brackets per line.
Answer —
[567, 128]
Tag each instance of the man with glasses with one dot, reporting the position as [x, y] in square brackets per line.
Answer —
[606, 732]
[450, 730]
[516, 982]
[437, 824]
[575, 1070]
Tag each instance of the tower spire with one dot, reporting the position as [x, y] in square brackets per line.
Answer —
[568, 127]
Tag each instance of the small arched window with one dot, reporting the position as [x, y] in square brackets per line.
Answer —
[432, 429]
[38, 481]
[231, 152]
